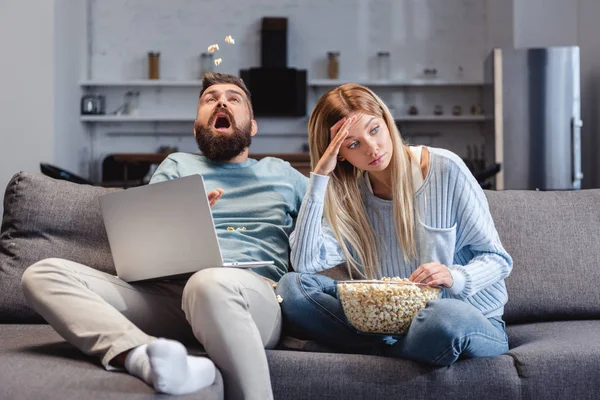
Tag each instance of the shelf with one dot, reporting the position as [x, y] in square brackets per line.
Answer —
[311, 83]
[149, 118]
[442, 118]
[380, 83]
[146, 118]
[143, 82]
[134, 118]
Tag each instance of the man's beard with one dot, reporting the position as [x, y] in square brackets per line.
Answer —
[222, 146]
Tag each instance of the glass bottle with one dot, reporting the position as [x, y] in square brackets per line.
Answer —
[333, 65]
[206, 64]
[383, 65]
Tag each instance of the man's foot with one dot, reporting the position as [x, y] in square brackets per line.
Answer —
[165, 365]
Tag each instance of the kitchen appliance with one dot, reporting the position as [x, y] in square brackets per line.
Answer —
[277, 91]
[534, 95]
[92, 104]
[273, 42]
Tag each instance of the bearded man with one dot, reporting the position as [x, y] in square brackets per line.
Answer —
[233, 313]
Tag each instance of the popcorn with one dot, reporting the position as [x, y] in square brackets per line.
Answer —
[387, 306]
[215, 47]
[230, 228]
[279, 299]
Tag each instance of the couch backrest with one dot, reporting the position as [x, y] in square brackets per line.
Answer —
[554, 240]
[46, 218]
[553, 237]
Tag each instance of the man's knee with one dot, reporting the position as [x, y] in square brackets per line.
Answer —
[37, 273]
[212, 280]
[212, 285]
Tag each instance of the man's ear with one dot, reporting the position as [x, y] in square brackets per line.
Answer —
[254, 127]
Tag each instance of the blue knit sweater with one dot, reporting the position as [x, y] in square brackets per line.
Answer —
[453, 227]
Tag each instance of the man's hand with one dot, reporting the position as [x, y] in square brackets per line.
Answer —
[433, 274]
[214, 196]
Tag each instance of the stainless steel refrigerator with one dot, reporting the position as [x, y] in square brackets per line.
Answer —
[534, 96]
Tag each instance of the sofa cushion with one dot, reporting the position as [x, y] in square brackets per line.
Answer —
[554, 240]
[38, 364]
[326, 376]
[559, 359]
[44, 217]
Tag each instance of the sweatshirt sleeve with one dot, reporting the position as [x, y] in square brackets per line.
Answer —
[314, 248]
[482, 260]
[166, 171]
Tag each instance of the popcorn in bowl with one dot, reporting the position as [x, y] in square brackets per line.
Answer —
[385, 306]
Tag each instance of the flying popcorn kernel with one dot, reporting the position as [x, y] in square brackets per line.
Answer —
[218, 61]
[213, 47]
[229, 40]
[279, 299]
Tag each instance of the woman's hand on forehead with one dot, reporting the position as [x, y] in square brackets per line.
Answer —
[336, 127]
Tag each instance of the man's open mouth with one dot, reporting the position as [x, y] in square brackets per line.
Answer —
[222, 122]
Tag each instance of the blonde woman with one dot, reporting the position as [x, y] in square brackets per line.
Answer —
[387, 209]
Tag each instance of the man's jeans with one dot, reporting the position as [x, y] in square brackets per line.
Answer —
[444, 331]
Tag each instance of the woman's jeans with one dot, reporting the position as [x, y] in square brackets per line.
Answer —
[443, 331]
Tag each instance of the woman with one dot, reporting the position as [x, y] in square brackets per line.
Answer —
[396, 211]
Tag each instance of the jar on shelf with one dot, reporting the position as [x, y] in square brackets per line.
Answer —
[333, 65]
[206, 64]
[383, 65]
[132, 98]
[153, 65]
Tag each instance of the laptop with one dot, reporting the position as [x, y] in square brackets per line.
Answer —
[163, 231]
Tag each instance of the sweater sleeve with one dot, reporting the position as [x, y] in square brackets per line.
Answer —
[314, 248]
[481, 258]
[166, 171]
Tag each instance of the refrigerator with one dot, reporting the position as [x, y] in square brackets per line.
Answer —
[533, 96]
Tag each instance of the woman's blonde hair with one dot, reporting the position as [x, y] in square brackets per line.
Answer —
[344, 208]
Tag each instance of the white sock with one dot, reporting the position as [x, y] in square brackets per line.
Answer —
[165, 365]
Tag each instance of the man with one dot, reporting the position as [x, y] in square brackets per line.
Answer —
[233, 313]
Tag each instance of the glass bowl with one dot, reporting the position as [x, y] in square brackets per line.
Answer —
[385, 306]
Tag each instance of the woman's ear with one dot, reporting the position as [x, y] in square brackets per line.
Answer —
[340, 158]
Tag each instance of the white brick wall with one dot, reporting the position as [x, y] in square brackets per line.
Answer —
[419, 33]
[39, 116]
[441, 34]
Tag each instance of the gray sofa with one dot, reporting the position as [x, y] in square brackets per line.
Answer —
[553, 313]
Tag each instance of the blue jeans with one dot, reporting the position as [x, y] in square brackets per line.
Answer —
[443, 331]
